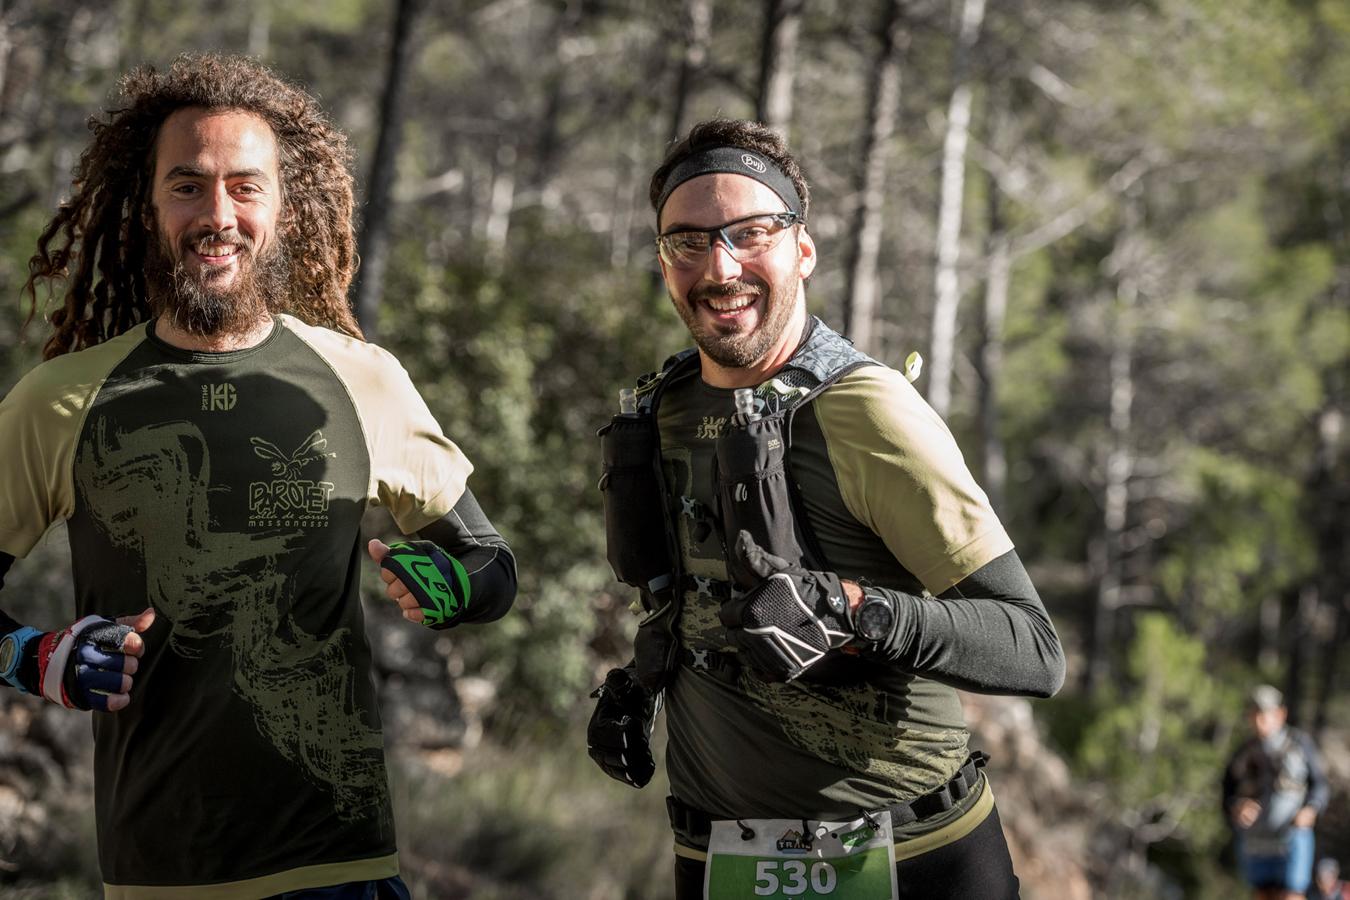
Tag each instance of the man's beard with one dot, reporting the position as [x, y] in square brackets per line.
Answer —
[199, 302]
[736, 349]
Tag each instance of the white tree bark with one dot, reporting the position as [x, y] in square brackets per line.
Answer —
[946, 289]
[375, 238]
[502, 199]
[1120, 456]
[860, 296]
[778, 63]
[259, 28]
[696, 18]
[990, 361]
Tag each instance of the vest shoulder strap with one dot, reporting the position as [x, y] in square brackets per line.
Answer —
[651, 385]
[823, 359]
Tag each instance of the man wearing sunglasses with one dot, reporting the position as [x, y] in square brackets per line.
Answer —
[816, 740]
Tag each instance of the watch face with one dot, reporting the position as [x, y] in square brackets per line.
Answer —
[8, 648]
[875, 618]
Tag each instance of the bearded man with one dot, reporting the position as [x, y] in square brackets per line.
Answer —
[211, 426]
[820, 571]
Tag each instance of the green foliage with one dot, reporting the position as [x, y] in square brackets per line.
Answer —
[522, 366]
[1150, 740]
[531, 820]
[1216, 571]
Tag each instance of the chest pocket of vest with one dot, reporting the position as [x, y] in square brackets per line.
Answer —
[754, 494]
[635, 533]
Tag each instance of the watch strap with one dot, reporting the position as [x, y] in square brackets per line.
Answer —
[16, 642]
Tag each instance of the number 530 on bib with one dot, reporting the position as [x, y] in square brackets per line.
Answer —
[830, 861]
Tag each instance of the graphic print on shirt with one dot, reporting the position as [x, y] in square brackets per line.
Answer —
[148, 490]
[289, 500]
[856, 726]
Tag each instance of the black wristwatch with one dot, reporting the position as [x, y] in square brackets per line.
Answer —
[875, 617]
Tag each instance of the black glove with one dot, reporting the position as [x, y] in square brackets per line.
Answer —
[790, 620]
[434, 577]
[619, 735]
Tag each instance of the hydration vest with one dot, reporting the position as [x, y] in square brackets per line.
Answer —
[755, 491]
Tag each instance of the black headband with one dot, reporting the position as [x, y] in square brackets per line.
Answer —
[734, 161]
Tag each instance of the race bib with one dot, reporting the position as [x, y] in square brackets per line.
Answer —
[835, 860]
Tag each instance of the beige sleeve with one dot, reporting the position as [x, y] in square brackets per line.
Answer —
[415, 470]
[901, 474]
[40, 424]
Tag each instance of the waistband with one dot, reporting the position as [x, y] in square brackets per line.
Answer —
[909, 848]
[698, 824]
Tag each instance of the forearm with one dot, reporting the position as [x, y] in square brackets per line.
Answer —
[466, 534]
[990, 634]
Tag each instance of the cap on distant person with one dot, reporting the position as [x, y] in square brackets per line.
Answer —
[1328, 868]
[1265, 697]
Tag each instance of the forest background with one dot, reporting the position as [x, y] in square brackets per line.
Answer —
[1119, 233]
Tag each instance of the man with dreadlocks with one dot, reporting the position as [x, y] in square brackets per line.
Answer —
[211, 426]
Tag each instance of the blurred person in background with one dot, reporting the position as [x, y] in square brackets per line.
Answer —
[820, 572]
[211, 426]
[1273, 792]
[1327, 883]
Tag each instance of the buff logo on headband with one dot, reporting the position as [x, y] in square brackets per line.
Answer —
[732, 161]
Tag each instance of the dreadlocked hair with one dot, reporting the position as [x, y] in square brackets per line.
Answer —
[96, 243]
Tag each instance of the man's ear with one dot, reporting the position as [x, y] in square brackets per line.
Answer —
[806, 253]
[665, 272]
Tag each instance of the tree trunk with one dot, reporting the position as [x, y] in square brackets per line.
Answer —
[778, 63]
[989, 360]
[375, 232]
[997, 281]
[6, 45]
[946, 289]
[1270, 614]
[549, 147]
[626, 204]
[1330, 482]
[860, 293]
[1119, 463]
[502, 199]
[697, 30]
[81, 28]
[1297, 653]
[259, 28]
[140, 23]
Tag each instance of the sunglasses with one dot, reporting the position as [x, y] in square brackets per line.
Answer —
[744, 239]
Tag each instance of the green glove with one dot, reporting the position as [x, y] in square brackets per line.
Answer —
[435, 578]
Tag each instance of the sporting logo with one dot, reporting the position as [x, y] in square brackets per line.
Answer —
[754, 163]
[289, 499]
[218, 397]
[710, 428]
[793, 841]
[858, 837]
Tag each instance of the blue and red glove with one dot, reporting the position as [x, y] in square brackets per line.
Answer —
[80, 667]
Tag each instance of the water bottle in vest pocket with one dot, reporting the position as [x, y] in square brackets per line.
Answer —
[753, 491]
[635, 528]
